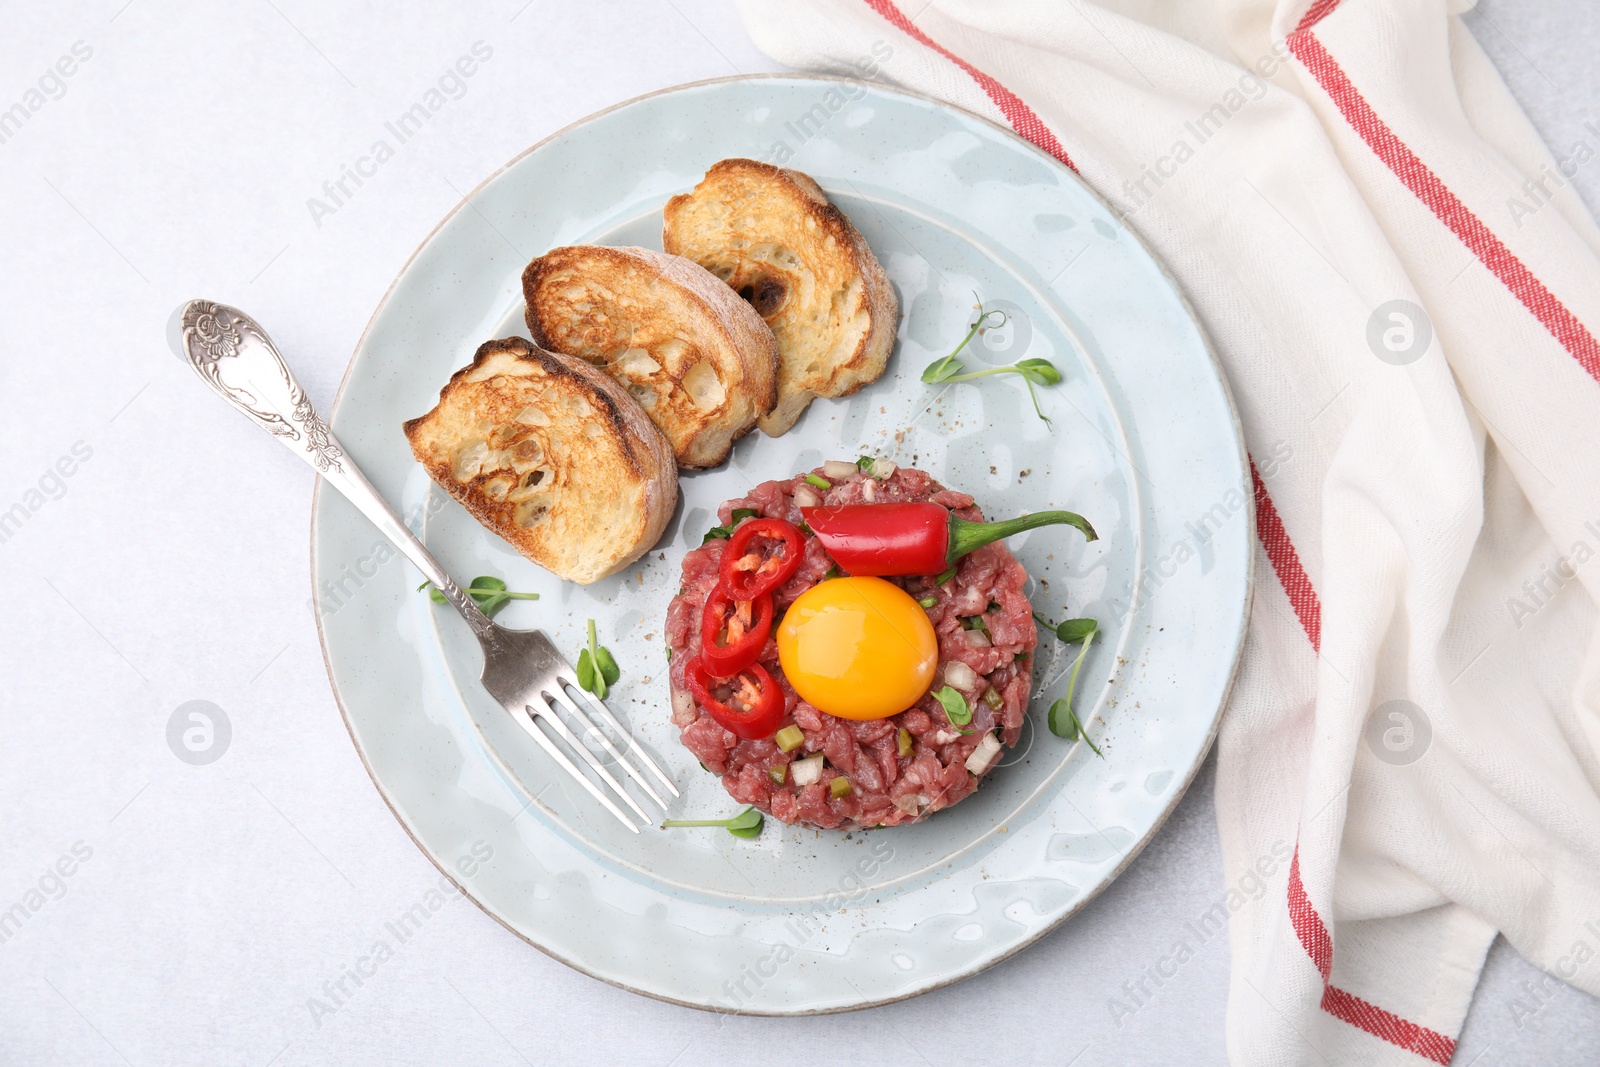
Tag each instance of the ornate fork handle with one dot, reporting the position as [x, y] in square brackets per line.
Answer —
[238, 360]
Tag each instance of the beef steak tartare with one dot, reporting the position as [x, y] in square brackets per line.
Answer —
[900, 769]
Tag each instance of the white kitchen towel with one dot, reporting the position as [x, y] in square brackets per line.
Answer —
[1405, 295]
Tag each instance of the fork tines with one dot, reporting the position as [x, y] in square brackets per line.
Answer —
[541, 710]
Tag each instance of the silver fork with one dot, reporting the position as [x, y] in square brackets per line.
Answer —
[521, 668]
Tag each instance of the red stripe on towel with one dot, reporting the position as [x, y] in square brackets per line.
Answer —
[1023, 118]
[1426, 186]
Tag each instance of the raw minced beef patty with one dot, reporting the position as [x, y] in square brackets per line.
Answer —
[887, 789]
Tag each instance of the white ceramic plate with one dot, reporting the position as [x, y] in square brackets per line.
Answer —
[1143, 441]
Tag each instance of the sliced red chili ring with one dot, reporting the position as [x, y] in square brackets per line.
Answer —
[746, 572]
[760, 698]
[748, 623]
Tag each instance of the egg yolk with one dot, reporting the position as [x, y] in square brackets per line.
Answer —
[858, 648]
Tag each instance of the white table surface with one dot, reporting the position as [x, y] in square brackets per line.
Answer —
[171, 565]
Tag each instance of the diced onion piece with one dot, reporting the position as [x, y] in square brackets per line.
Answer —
[910, 803]
[778, 773]
[804, 772]
[839, 787]
[683, 709]
[806, 497]
[882, 468]
[903, 742]
[789, 738]
[869, 491]
[984, 755]
[976, 638]
[838, 469]
[960, 675]
[944, 737]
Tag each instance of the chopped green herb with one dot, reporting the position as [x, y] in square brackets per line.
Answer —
[928, 602]
[597, 669]
[1033, 371]
[946, 576]
[975, 622]
[818, 481]
[832, 572]
[486, 590]
[745, 824]
[722, 533]
[876, 467]
[954, 704]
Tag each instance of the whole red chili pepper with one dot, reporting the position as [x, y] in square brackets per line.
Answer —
[725, 661]
[745, 573]
[882, 540]
[762, 700]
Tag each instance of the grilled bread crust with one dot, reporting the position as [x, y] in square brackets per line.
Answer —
[552, 455]
[697, 358]
[772, 235]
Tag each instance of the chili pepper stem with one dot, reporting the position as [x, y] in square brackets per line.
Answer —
[966, 537]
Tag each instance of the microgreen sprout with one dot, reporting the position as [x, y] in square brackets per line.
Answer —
[1064, 722]
[597, 669]
[1033, 371]
[1072, 631]
[745, 824]
[486, 590]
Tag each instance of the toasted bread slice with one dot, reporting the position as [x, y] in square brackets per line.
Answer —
[695, 356]
[771, 234]
[553, 456]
